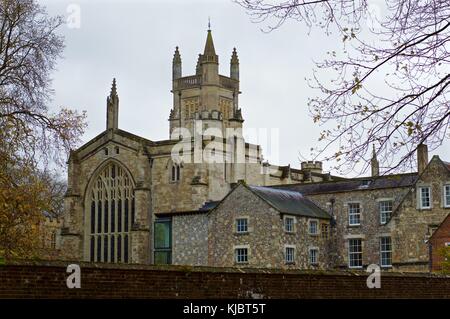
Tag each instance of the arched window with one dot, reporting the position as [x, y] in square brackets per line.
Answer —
[111, 199]
[175, 174]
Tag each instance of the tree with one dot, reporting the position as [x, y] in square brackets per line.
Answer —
[389, 85]
[444, 253]
[23, 199]
[32, 138]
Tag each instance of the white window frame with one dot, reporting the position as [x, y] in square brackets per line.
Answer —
[317, 227]
[237, 225]
[236, 255]
[383, 250]
[386, 214]
[358, 214]
[446, 195]
[316, 261]
[285, 218]
[420, 198]
[290, 247]
[350, 253]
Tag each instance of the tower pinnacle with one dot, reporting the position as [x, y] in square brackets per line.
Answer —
[234, 65]
[113, 88]
[176, 65]
[112, 108]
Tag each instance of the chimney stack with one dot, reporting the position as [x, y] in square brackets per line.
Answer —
[375, 165]
[422, 157]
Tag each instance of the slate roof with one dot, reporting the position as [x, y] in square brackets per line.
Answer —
[207, 206]
[367, 183]
[289, 202]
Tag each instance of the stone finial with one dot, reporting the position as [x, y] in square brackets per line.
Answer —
[176, 56]
[234, 57]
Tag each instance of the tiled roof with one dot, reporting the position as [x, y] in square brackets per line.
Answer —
[289, 202]
[206, 207]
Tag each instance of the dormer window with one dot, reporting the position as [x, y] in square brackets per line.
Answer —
[365, 183]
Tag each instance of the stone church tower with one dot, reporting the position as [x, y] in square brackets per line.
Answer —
[207, 95]
[118, 181]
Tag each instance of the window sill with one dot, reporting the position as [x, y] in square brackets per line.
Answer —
[291, 263]
[289, 232]
[354, 226]
[314, 234]
[355, 267]
[242, 233]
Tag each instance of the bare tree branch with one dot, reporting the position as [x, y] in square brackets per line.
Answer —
[388, 87]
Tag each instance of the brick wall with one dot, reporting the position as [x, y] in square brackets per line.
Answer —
[48, 280]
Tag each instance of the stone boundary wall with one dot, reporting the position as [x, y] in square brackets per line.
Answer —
[48, 280]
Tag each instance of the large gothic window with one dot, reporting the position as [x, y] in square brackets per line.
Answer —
[111, 211]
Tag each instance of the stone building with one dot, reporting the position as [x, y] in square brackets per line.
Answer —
[253, 226]
[118, 182]
[207, 197]
[385, 220]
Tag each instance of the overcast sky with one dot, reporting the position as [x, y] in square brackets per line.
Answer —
[134, 42]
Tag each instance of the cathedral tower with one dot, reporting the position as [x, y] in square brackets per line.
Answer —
[205, 96]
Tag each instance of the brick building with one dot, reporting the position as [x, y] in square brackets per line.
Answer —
[439, 241]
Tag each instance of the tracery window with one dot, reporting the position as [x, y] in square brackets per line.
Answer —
[111, 215]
